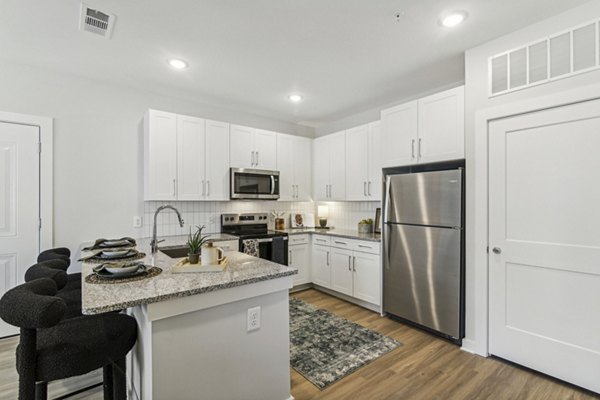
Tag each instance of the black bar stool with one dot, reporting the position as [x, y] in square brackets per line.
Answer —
[54, 348]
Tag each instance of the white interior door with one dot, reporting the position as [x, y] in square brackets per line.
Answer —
[19, 205]
[544, 242]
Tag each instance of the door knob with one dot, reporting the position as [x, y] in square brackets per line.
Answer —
[497, 250]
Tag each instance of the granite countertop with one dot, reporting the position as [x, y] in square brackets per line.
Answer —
[241, 270]
[344, 233]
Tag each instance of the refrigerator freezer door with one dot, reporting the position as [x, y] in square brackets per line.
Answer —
[421, 276]
[426, 198]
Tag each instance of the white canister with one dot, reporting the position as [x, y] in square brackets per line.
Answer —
[211, 255]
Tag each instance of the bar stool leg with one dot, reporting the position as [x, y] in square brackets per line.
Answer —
[41, 391]
[107, 376]
[120, 380]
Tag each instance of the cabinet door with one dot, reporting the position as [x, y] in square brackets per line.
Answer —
[442, 126]
[265, 146]
[357, 163]
[303, 168]
[299, 258]
[375, 180]
[337, 166]
[367, 277]
[399, 133]
[321, 270]
[217, 161]
[241, 148]
[190, 158]
[160, 151]
[285, 165]
[341, 270]
[322, 154]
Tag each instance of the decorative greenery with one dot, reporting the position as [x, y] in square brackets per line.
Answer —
[196, 240]
[366, 222]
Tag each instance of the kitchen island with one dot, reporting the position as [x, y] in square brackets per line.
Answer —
[193, 336]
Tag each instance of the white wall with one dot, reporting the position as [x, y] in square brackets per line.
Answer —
[476, 99]
[98, 144]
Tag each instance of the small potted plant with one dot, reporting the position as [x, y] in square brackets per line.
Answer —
[194, 243]
[365, 226]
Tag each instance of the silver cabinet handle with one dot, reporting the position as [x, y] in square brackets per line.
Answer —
[257, 158]
[497, 250]
[174, 187]
[420, 148]
[413, 148]
[328, 259]
[354, 263]
[203, 189]
[369, 188]
[297, 192]
[291, 261]
[365, 188]
[207, 188]
[365, 247]
[349, 262]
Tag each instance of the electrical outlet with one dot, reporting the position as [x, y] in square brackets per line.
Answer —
[137, 221]
[253, 318]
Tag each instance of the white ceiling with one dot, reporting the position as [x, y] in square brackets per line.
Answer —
[343, 56]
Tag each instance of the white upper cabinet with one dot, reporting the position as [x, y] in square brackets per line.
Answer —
[442, 126]
[252, 148]
[265, 147]
[294, 164]
[329, 173]
[190, 166]
[375, 184]
[399, 133]
[160, 155]
[427, 130]
[363, 162]
[185, 158]
[217, 161]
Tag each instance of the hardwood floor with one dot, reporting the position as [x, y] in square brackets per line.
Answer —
[424, 367]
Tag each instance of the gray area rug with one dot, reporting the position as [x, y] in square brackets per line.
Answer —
[324, 347]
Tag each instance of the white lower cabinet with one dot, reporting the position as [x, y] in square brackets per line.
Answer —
[341, 271]
[367, 277]
[299, 257]
[348, 266]
[321, 269]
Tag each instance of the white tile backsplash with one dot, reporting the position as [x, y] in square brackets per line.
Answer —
[342, 215]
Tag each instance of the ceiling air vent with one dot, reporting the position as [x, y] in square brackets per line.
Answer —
[557, 56]
[95, 21]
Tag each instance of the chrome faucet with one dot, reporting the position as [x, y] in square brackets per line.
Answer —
[154, 243]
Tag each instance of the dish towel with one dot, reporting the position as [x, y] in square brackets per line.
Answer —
[251, 247]
[278, 250]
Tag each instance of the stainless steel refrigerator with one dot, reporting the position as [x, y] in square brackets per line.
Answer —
[423, 247]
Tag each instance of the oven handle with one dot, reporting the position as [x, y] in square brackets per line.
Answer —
[268, 240]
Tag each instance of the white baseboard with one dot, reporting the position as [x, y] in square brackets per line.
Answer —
[470, 346]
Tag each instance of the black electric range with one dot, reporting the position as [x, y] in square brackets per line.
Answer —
[254, 236]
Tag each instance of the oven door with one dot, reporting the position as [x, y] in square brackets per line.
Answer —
[254, 184]
[272, 249]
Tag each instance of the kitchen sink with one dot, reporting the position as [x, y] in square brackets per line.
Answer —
[175, 251]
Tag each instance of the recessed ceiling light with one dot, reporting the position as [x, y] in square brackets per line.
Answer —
[295, 98]
[454, 19]
[177, 63]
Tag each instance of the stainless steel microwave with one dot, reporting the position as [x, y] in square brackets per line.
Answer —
[254, 184]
